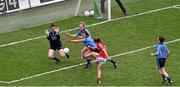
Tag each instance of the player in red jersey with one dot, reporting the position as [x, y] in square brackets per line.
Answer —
[101, 56]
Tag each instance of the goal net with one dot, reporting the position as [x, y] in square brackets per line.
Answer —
[19, 14]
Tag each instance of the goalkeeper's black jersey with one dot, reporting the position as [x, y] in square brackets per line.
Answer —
[54, 38]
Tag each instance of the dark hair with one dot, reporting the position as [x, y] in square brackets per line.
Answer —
[98, 40]
[161, 39]
[52, 25]
[85, 32]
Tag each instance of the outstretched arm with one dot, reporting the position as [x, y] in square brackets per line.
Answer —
[71, 35]
[74, 41]
[154, 54]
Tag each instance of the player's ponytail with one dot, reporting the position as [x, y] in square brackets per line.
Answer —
[98, 40]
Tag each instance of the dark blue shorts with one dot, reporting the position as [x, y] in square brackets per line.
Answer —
[161, 62]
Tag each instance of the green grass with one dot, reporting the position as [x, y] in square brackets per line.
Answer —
[30, 58]
[138, 6]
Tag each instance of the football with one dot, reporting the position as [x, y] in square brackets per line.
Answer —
[91, 13]
[66, 50]
[86, 13]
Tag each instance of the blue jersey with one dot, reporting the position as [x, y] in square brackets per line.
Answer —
[162, 51]
[80, 32]
[89, 42]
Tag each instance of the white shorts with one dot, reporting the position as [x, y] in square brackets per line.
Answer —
[100, 59]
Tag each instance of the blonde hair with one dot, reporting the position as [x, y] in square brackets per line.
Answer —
[83, 23]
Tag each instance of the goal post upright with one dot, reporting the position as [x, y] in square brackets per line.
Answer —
[78, 7]
[109, 9]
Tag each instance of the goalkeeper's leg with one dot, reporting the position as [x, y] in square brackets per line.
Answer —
[51, 56]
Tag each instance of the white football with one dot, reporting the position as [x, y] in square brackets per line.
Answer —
[86, 13]
[91, 13]
[66, 50]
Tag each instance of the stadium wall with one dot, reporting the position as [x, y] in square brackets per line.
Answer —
[38, 13]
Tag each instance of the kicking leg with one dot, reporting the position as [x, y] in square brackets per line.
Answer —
[83, 51]
[113, 62]
[87, 57]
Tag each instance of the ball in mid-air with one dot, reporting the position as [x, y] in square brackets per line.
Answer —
[66, 50]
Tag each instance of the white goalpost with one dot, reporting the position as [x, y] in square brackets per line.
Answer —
[78, 6]
[109, 9]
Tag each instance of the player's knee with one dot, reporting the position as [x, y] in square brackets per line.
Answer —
[161, 70]
[50, 56]
[61, 53]
[164, 71]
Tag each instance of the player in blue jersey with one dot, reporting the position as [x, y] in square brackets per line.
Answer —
[88, 42]
[82, 28]
[53, 36]
[161, 54]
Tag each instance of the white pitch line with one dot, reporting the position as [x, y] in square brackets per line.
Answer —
[176, 7]
[4, 82]
[156, 10]
[69, 67]
[144, 48]
[13, 43]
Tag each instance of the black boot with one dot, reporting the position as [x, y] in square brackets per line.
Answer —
[67, 55]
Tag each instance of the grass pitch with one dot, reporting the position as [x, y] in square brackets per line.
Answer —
[135, 69]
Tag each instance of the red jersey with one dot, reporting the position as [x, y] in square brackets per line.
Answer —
[102, 48]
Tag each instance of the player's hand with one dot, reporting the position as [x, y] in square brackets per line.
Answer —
[80, 37]
[57, 30]
[152, 54]
[67, 34]
[46, 32]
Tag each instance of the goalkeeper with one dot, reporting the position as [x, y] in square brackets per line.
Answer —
[53, 35]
